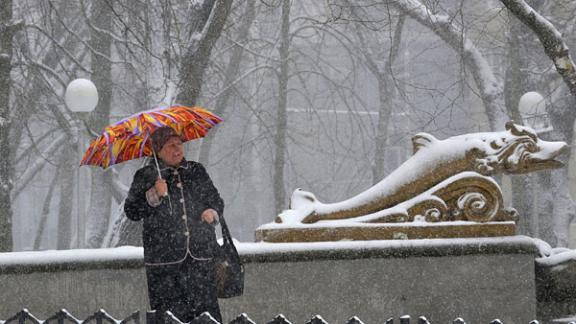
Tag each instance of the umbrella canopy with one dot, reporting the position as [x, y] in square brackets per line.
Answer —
[128, 138]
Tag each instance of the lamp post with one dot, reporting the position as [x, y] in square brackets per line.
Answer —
[81, 97]
[572, 167]
[532, 108]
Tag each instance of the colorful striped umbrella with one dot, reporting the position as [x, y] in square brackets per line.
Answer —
[128, 138]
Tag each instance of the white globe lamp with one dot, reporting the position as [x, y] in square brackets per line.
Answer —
[81, 95]
[532, 107]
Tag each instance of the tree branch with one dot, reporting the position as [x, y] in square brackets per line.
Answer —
[490, 87]
[549, 36]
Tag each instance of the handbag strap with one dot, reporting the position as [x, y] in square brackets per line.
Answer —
[226, 237]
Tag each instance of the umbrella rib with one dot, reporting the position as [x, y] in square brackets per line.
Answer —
[143, 144]
[167, 116]
[112, 158]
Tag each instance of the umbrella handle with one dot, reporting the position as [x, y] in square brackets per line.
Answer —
[157, 165]
[160, 176]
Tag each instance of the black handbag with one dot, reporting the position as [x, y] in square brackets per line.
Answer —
[229, 268]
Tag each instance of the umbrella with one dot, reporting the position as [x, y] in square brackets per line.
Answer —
[127, 139]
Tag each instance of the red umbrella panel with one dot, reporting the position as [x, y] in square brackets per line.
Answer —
[127, 139]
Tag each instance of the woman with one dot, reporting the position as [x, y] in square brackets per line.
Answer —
[179, 211]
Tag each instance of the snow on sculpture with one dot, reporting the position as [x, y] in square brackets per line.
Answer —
[444, 181]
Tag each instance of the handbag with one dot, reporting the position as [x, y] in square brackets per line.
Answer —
[229, 267]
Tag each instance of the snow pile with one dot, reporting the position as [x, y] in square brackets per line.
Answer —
[550, 256]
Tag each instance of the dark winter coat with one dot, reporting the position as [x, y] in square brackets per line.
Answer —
[174, 230]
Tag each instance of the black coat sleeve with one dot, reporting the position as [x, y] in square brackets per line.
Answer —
[209, 193]
[136, 206]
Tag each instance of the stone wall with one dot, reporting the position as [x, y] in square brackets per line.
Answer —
[477, 279]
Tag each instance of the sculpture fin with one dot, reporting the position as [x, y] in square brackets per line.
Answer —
[422, 140]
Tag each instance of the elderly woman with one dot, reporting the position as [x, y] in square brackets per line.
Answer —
[179, 210]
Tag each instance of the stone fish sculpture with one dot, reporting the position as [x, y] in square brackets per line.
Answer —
[445, 180]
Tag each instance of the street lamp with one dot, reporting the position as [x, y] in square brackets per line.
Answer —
[532, 108]
[81, 97]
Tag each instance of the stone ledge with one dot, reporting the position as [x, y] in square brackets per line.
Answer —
[282, 252]
[132, 257]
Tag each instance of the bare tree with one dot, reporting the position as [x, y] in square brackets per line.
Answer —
[384, 73]
[489, 86]
[557, 50]
[230, 75]
[8, 28]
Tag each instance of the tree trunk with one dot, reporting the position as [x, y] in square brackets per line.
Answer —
[386, 96]
[384, 93]
[281, 117]
[564, 208]
[208, 20]
[230, 75]
[46, 210]
[5, 86]
[515, 85]
[544, 206]
[98, 214]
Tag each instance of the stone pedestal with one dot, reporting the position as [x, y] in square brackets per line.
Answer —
[385, 231]
[476, 279]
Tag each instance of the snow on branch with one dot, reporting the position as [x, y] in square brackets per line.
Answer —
[490, 87]
[549, 36]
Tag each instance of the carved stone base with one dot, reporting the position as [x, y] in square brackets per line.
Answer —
[386, 232]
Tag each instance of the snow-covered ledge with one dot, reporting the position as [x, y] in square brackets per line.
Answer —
[480, 278]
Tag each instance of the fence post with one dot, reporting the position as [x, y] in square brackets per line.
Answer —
[22, 316]
[317, 320]
[354, 320]
[279, 319]
[242, 319]
[458, 320]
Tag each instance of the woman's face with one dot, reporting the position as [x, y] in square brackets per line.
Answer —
[172, 152]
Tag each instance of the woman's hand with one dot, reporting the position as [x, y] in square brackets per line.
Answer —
[209, 216]
[161, 187]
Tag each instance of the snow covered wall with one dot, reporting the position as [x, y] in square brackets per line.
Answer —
[478, 279]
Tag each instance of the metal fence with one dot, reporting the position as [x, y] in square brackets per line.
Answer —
[101, 317]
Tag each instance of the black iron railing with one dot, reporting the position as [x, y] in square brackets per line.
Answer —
[101, 317]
